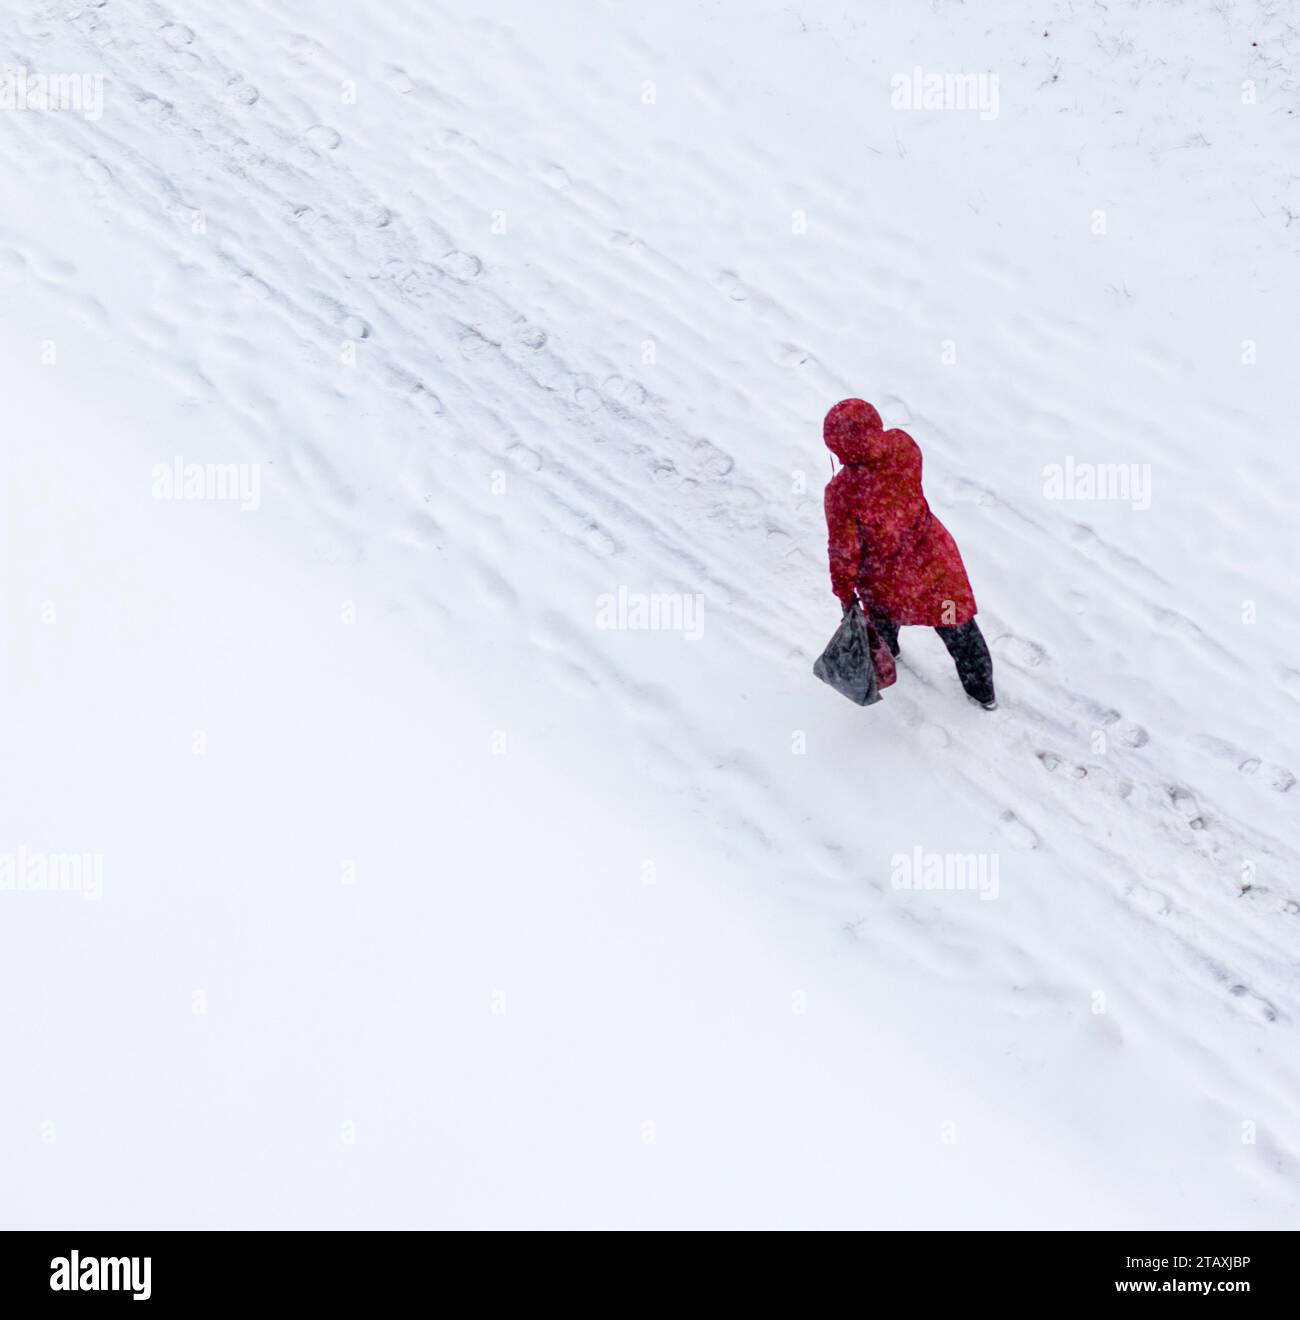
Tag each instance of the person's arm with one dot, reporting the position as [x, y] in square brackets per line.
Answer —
[843, 545]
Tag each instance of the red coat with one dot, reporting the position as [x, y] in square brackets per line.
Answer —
[883, 539]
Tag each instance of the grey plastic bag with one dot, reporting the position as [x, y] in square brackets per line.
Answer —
[846, 662]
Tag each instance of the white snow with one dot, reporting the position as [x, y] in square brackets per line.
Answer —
[430, 900]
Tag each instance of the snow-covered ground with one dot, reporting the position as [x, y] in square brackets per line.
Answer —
[414, 893]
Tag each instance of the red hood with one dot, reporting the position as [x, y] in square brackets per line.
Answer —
[852, 431]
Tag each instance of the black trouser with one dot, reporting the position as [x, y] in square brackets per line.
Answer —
[966, 645]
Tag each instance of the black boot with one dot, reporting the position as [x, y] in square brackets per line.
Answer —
[970, 654]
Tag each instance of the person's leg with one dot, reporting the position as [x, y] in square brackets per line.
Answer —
[970, 653]
[887, 629]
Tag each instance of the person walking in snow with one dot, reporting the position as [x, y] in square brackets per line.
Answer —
[888, 550]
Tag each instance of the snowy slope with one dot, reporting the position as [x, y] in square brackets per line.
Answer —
[515, 309]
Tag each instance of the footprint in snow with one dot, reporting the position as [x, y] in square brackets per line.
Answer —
[1278, 777]
[971, 492]
[1017, 833]
[1151, 900]
[897, 410]
[13, 267]
[303, 49]
[461, 266]
[934, 736]
[598, 539]
[1289, 680]
[1020, 651]
[526, 458]
[454, 139]
[420, 532]
[1099, 715]
[1254, 1004]
[421, 393]
[254, 288]
[473, 346]
[629, 393]
[1183, 803]
[323, 137]
[241, 92]
[790, 355]
[729, 282]
[398, 80]
[531, 337]
[710, 461]
[1055, 763]
[35, 26]
[778, 542]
